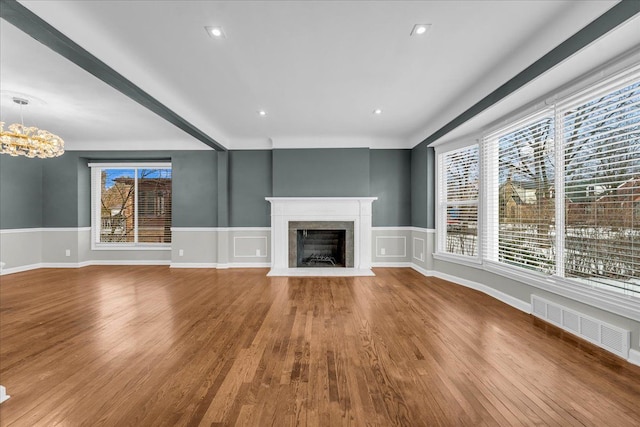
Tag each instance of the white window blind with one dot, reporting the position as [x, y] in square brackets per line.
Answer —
[560, 192]
[132, 205]
[520, 207]
[601, 141]
[459, 201]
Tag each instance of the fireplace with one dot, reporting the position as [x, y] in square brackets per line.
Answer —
[321, 244]
[348, 215]
[321, 248]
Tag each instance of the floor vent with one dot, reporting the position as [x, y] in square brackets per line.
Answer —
[609, 337]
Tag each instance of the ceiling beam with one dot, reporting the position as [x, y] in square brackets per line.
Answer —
[31, 24]
[606, 22]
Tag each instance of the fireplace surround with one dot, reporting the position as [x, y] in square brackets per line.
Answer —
[290, 214]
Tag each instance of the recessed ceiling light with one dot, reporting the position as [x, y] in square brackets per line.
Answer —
[215, 32]
[377, 111]
[262, 113]
[420, 29]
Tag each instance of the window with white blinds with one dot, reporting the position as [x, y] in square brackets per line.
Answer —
[132, 205]
[521, 171]
[560, 192]
[459, 201]
[601, 143]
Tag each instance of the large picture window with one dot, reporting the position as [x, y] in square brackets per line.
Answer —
[560, 193]
[131, 205]
[521, 167]
[601, 142]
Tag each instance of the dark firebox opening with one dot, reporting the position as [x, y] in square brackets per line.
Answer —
[321, 248]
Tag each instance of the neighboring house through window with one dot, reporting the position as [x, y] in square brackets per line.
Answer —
[560, 193]
[131, 205]
[458, 201]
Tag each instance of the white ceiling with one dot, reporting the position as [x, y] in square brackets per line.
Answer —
[319, 68]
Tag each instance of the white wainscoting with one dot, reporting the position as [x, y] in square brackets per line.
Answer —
[220, 247]
[250, 246]
[422, 245]
[418, 249]
[386, 248]
[390, 248]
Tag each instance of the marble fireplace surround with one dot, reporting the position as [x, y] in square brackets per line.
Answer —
[343, 209]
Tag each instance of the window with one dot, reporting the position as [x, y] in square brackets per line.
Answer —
[521, 167]
[131, 205]
[601, 142]
[560, 194]
[458, 202]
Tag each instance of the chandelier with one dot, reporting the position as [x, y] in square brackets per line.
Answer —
[29, 141]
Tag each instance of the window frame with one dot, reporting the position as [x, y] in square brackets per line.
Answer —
[490, 173]
[96, 173]
[601, 297]
[441, 205]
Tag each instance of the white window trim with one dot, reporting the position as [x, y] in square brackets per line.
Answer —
[441, 220]
[96, 169]
[490, 174]
[594, 295]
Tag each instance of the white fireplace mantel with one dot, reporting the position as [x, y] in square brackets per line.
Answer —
[286, 209]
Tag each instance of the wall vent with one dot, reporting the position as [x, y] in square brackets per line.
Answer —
[609, 337]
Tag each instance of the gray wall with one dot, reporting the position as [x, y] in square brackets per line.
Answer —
[214, 189]
[391, 182]
[195, 189]
[60, 192]
[250, 181]
[57, 192]
[321, 172]
[84, 196]
[20, 192]
[423, 186]
[78, 206]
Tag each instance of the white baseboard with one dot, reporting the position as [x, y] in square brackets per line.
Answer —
[193, 265]
[500, 296]
[634, 357]
[423, 271]
[3, 394]
[128, 262]
[134, 262]
[391, 264]
[250, 265]
[64, 264]
[220, 266]
[29, 267]
[20, 269]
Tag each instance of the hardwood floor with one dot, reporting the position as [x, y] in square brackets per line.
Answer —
[147, 346]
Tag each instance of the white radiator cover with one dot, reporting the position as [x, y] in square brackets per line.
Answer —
[604, 335]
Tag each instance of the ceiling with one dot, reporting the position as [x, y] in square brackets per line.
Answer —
[318, 68]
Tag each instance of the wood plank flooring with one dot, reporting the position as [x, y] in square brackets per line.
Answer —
[153, 346]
